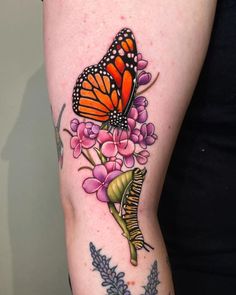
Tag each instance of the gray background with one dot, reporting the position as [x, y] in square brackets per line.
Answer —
[32, 248]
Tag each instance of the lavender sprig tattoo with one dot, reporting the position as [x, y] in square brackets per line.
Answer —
[112, 280]
[153, 282]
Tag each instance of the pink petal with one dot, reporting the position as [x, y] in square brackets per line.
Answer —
[150, 140]
[86, 132]
[131, 123]
[120, 162]
[139, 56]
[123, 135]
[133, 113]
[134, 137]
[117, 134]
[142, 116]
[140, 101]
[91, 185]
[129, 161]
[100, 172]
[126, 147]
[88, 124]
[111, 166]
[77, 151]
[144, 153]
[144, 130]
[112, 175]
[143, 144]
[102, 194]
[87, 143]
[142, 64]
[142, 157]
[104, 136]
[140, 137]
[74, 141]
[109, 149]
[80, 130]
[74, 124]
[141, 160]
[144, 78]
[150, 128]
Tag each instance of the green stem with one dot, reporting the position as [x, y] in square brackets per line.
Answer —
[87, 158]
[148, 87]
[122, 224]
[90, 157]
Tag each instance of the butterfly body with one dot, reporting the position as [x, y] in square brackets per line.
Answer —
[104, 92]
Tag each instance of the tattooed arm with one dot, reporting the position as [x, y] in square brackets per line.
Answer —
[120, 77]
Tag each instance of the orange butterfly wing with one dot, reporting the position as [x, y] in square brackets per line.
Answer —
[95, 94]
[108, 86]
[121, 62]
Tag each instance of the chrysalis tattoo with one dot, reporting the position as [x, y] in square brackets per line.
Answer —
[113, 134]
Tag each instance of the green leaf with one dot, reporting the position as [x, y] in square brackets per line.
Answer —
[100, 155]
[119, 186]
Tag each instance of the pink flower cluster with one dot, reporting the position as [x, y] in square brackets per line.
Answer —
[102, 176]
[85, 138]
[117, 147]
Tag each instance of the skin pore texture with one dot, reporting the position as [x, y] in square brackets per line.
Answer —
[120, 77]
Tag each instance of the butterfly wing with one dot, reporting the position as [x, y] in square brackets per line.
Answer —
[95, 94]
[110, 85]
[121, 62]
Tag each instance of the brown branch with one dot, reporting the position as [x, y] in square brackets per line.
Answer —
[84, 167]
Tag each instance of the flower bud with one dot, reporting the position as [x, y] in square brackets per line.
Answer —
[74, 124]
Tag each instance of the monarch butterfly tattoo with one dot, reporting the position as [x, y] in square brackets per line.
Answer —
[131, 210]
[104, 92]
[114, 133]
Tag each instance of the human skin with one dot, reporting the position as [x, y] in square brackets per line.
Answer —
[173, 36]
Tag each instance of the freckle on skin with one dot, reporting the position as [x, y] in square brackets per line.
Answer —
[122, 17]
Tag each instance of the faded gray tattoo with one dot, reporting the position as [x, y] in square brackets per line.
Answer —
[59, 142]
[114, 281]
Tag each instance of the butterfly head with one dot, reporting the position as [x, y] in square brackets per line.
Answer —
[118, 120]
